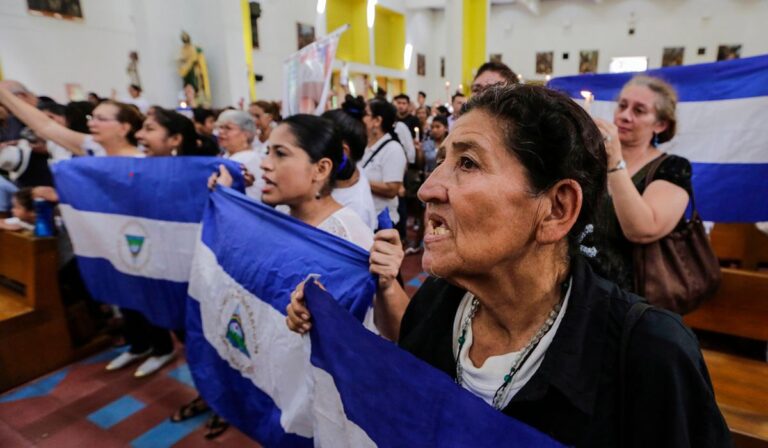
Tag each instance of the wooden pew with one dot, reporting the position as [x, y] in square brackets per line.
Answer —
[742, 245]
[34, 338]
[740, 308]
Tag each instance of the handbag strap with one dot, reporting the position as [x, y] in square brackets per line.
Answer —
[378, 149]
[652, 172]
[634, 314]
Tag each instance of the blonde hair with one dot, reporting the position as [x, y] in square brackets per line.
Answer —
[665, 104]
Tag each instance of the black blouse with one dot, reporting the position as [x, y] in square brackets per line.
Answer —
[573, 396]
[614, 250]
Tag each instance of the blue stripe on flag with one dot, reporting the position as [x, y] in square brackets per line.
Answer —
[732, 192]
[397, 399]
[723, 80]
[140, 186]
[163, 302]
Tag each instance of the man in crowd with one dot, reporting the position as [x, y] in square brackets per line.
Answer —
[458, 100]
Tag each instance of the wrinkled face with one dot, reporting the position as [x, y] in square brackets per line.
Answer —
[104, 126]
[155, 139]
[231, 136]
[24, 214]
[485, 80]
[635, 116]
[480, 213]
[262, 118]
[437, 130]
[288, 170]
[402, 106]
[458, 103]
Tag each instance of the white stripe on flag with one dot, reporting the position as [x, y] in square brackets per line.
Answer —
[275, 359]
[725, 131]
[144, 247]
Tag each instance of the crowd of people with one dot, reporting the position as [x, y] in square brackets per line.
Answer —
[524, 207]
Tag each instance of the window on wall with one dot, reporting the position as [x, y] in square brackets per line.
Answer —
[628, 64]
[255, 14]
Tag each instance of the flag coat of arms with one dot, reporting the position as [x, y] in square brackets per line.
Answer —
[721, 112]
[134, 223]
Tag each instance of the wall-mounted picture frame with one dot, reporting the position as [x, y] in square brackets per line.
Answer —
[421, 64]
[442, 66]
[727, 52]
[58, 9]
[495, 57]
[305, 34]
[544, 62]
[672, 56]
[588, 61]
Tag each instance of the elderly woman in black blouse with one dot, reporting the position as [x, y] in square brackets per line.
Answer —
[512, 311]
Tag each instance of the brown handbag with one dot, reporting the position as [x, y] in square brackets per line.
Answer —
[680, 271]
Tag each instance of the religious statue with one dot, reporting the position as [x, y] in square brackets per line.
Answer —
[194, 70]
[133, 68]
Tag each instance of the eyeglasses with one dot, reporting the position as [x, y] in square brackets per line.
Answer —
[100, 118]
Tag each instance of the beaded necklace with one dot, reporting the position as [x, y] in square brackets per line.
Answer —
[498, 397]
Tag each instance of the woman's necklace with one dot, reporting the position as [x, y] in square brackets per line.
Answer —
[498, 397]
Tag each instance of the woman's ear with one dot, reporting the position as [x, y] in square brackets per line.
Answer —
[660, 126]
[175, 140]
[323, 169]
[125, 129]
[563, 205]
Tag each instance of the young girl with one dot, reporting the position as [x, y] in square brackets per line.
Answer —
[22, 211]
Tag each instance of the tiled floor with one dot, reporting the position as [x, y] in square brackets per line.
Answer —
[83, 406]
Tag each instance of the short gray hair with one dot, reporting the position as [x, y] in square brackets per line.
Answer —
[241, 119]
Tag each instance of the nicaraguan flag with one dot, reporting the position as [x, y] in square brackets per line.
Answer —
[343, 386]
[134, 223]
[245, 362]
[368, 392]
[721, 130]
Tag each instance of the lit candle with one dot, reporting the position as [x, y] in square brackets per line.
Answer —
[183, 104]
[416, 131]
[588, 98]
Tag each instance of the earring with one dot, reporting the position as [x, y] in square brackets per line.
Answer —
[317, 195]
[655, 141]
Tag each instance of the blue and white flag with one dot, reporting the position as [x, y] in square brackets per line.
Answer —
[134, 223]
[246, 363]
[368, 392]
[721, 129]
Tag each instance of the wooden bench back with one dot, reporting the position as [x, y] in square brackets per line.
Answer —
[740, 307]
[30, 262]
[742, 244]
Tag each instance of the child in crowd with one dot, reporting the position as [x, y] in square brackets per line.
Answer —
[22, 211]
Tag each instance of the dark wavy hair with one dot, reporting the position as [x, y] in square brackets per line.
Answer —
[387, 112]
[176, 124]
[319, 138]
[554, 139]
